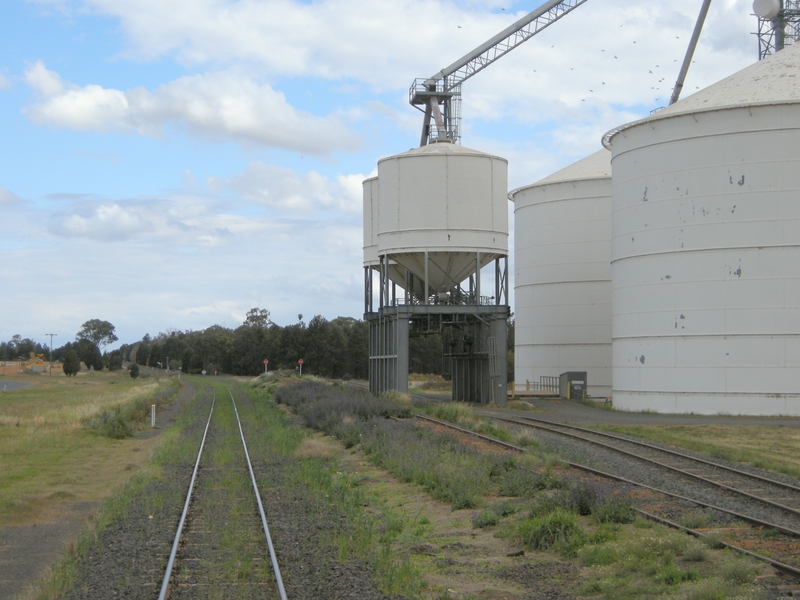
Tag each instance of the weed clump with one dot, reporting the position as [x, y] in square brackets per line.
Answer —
[125, 419]
[696, 520]
[488, 517]
[617, 509]
[739, 572]
[558, 528]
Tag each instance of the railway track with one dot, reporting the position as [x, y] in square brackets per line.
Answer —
[779, 499]
[786, 563]
[222, 546]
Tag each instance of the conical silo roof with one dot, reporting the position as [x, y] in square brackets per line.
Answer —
[441, 149]
[594, 166]
[774, 80]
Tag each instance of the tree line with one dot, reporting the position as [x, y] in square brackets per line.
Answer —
[336, 349]
[19, 348]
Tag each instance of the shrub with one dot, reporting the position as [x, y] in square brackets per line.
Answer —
[739, 572]
[597, 555]
[491, 516]
[713, 540]
[583, 496]
[134, 371]
[695, 520]
[518, 482]
[546, 531]
[485, 518]
[671, 575]
[452, 412]
[118, 428]
[72, 364]
[618, 509]
[696, 553]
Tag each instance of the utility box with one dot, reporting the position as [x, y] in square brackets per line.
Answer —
[572, 385]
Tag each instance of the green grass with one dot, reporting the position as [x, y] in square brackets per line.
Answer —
[769, 448]
[47, 453]
[172, 448]
[369, 537]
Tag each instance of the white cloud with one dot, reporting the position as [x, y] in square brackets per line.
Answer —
[283, 189]
[7, 197]
[331, 39]
[217, 106]
[105, 222]
[173, 247]
[394, 41]
[4, 82]
[46, 83]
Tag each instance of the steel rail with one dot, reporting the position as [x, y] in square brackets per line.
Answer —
[272, 556]
[711, 463]
[749, 519]
[171, 562]
[593, 471]
[473, 433]
[539, 425]
[788, 569]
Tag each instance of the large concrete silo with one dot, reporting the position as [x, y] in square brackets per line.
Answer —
[562, 284]
[706, 249]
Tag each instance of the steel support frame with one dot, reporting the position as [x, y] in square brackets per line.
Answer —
[474, 335]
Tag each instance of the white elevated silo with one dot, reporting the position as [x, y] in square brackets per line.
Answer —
[562, 286]
[706, 249]
[371, 195]
[447, 204]
[442, 215]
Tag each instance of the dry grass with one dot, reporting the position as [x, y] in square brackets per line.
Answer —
[63, 403]
[316, 447]
[47, 455]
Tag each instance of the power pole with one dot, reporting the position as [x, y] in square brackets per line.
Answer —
[51, 351]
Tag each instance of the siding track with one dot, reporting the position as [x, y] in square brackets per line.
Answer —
[782, 497]
[780, 562]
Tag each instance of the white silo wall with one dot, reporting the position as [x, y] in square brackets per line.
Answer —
[706, 249]
[371, 197]
[562, 282]
[446, 200]
[371, 194]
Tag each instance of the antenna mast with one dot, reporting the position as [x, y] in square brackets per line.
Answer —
[778, 25]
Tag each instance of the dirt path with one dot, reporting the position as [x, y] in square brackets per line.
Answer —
[26, 552]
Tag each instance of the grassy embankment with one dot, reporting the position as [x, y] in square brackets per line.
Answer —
[55, 444]
[529, 501]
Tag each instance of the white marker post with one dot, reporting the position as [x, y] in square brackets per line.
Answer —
[266, 362]
[300, 362]
[153, 416]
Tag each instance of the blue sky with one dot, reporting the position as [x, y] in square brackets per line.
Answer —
[174, 163]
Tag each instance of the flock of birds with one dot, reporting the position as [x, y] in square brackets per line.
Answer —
[650, 71]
